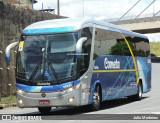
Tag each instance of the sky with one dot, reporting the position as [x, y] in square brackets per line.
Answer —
[101, 9]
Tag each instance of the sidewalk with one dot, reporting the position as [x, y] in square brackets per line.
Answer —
[2, 106]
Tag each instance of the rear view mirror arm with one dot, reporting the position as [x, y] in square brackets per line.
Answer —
[79, 45]
[8, 49]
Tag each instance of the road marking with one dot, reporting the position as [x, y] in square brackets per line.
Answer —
[148, 104]
[139, 113]
[158, 107]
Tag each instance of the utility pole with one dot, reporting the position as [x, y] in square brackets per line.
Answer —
[42, 7]
[58, 10]
[83, 8]
[153, 10]
[19, 2]
[32, 3]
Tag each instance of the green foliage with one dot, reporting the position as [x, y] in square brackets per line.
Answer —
[121, 48]
[8, 100]
[155, 48]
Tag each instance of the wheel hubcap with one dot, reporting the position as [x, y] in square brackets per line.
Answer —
[140, 92]
[96, 99]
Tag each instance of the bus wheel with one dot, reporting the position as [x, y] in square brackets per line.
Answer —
[138, 96]
[96, 99]
[44, 110]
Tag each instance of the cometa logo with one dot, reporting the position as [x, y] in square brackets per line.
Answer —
[111, 64]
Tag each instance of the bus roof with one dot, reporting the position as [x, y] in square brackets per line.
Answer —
[71, 25]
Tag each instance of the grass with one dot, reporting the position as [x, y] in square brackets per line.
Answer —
[155, 48]
[8, 100]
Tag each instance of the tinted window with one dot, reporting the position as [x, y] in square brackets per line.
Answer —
[139, 46]
[142, 47]
[109, 43]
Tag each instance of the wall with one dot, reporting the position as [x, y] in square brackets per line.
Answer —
[12, 21]
[23, 3]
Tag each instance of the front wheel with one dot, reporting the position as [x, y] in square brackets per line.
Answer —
[44, 110]
[96, 99]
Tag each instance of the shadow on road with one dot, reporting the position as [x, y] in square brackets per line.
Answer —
[86, 109]
[115, 103]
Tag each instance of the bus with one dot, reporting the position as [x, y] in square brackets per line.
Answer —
[75, 62]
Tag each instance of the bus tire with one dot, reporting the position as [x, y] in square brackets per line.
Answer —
[138, 96]
[44, 110]
[96, 99]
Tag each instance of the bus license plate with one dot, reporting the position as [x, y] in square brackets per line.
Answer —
[44, 102]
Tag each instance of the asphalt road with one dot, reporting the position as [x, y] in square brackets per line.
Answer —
[150, 104]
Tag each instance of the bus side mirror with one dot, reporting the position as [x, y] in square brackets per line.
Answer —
[79, 46]
[8, 49]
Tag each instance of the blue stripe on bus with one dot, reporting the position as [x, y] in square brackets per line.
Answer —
[8, 58]
[46, 88]
[49, 30]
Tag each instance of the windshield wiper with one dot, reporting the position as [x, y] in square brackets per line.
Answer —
[35, 71]
[54, 72]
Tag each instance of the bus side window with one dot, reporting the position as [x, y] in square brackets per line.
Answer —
[142, 47]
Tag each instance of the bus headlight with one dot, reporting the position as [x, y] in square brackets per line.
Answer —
[73, 88]
[77, 86]
[70, 89]
[19, 91]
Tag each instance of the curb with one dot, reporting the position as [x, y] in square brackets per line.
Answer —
[2, 106]
[155, 59]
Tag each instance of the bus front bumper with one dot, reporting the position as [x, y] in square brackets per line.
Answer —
[51, 99]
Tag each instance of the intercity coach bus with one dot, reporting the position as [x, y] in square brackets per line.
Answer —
[71, 62]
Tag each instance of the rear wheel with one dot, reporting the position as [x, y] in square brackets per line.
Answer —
[44, 110]
[138, 96]
[96, 99]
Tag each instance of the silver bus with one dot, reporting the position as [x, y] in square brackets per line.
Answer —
[71, 62]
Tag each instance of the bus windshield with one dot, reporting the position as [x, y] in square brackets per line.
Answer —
[48, 58]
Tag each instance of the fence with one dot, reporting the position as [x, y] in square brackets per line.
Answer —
[150, 15]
